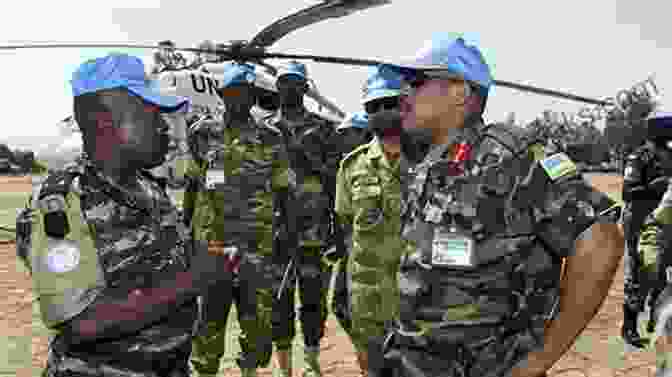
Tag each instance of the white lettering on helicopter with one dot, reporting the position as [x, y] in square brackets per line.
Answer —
[201, 84]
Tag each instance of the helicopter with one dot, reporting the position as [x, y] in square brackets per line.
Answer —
[255, 50]
[199, 81]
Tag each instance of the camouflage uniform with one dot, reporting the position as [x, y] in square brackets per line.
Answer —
[641, 168]
[368, 197]
[237, 212]
[123, 242]
[485, 237]
[340, 304]
[314, 166]
[654, 244]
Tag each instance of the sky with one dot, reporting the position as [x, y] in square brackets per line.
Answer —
[590, 48]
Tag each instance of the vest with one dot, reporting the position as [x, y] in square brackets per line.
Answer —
[477, 284]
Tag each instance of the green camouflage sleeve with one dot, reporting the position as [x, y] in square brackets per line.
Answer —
[657, 230]
[343, 205]
[567, 205]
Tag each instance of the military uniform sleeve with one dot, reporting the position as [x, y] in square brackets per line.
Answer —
[633, 178]
[192, 175]
[65, 269]
[657, 229]
[566, 205]
[343, 203]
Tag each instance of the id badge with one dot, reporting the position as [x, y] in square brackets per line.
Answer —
[450, 249]
[214, 177]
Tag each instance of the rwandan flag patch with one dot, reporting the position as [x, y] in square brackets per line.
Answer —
[558, 165]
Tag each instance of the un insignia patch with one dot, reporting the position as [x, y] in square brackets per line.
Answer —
[558, 165]
[62, 257]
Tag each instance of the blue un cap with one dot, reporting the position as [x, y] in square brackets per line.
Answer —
[382, 82]
[446, 53]
[359, 119]
[237, 73]
[118, 70]
[293, 68]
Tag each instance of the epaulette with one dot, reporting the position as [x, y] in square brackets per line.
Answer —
[356, 152]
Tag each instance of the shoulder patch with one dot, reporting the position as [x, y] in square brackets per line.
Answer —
[558, 165]
[62, 257]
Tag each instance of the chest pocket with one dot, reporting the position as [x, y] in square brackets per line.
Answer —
[367, 200]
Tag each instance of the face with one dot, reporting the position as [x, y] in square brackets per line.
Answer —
[291, 90]
[433, 105]
[384, 118]
[239, 98]
[140, 132]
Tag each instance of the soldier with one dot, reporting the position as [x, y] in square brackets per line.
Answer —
[644, 182]
[486, 228]
[115, 272]
[368, 200]
[353, 132]
[654, 245]
[313, 150]
[230, 206]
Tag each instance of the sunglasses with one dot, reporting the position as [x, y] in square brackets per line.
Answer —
[388, 103]
[411, 83]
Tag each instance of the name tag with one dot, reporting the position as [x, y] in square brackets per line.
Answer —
[214, 177]
[452, 249]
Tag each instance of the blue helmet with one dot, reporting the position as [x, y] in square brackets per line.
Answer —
[382, 82]
[293, 68]
[236, 73]
[444, 52]
[359, 119]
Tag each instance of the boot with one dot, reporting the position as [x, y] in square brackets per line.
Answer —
[363, 361]
[284, 368]
[629, 331]
[248, 372]
[311, 359]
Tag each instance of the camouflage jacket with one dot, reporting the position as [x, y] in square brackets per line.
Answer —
[232, 194]
[480, 274]
[368, 196]
[641, 168]
[115, 241]
[314, 153]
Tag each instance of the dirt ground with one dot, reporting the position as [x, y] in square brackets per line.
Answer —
[594, 356]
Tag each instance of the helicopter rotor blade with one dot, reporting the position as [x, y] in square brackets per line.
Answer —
[309, 16]
[550, 93]
[251, 53]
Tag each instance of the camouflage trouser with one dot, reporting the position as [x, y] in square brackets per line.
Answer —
[313, 277]
[638, 277]
[247, 293]
[651, 263]
[340, 302]
[374, 297]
